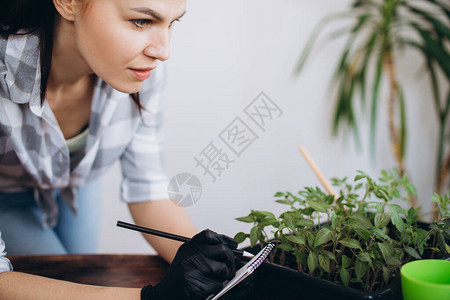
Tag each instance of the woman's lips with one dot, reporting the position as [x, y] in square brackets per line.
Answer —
[141, 74]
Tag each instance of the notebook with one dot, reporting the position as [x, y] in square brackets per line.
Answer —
[246, 270]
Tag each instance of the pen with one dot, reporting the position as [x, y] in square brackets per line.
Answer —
[170, 236]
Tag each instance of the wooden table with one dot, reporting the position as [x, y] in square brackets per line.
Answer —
[106, 270]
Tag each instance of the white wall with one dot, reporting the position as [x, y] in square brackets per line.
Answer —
[224, 53]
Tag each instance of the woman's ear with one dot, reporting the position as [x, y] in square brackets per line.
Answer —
[67, 8]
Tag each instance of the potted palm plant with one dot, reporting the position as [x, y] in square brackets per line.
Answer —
[346, 247]
[382, 30]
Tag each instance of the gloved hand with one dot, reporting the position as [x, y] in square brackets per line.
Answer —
[198, 270]
[245, 290]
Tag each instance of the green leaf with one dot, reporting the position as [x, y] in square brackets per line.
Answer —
[279, 194]
[289, 220]
[335, 219]
[284, 201]
[360, 268]
[346, 262]
[318, 206]
[268, 221]
[310, 237]
[388, 254]
[365, 257]
[350, 243]
[324, 263]
[395, 217]
[379, 208]
[312, 261]
[380, 234]
[382, 219]
[434, 49]
[255, 235]
[305, 223]
[441, 29]
[302, 257]
[329, 254]
[262, 214]
[246, 219]
[363, 233]
[386, 250]
[313, 37]
[323, 236]
[296, 239]
[360, 220]
[285, 247]
[411, 251]
[240, 237]
[345, 276]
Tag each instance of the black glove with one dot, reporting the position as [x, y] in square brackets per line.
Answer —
[198, 270]
[245, 290]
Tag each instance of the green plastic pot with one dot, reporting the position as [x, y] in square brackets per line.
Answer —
[426, 279]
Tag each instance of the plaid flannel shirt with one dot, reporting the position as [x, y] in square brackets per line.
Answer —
[33, 151]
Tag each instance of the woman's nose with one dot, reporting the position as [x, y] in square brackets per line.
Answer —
[158, 46]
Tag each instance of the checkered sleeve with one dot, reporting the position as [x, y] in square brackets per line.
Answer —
[5, 264]
[144, 176]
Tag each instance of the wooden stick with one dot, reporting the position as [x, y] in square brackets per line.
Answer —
[319, 174]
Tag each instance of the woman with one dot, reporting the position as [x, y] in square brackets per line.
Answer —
[80, 88]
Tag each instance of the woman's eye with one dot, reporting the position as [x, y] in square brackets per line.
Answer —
[141, 23]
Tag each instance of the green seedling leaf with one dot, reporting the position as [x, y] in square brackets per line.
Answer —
[310, 237]
[305, 223]
[323, 236]
[318, 206]
[363, 233]
[284, 201]
[289, 220]
[246, 219]
[255, 234]
[261, 214]
[312, 261]
[359, 177]
[351, 243]
[382, 219]
[302, 257]
[386, 249]
[388, 254]
[346, 262]
[345, 276]
[269, 221]
[279, 194]
[411, 251]
[240, 237]
[329, 254]
[365, 257]
[360, 268]
[380, 234]
[296, 239]
[285, 247]
[412, 216]
[380, 208]
[360, 220]
[395, 217]
[324, 263]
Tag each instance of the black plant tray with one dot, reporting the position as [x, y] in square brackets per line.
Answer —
[275, 282]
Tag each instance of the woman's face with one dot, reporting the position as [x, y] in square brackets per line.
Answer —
[122, 40]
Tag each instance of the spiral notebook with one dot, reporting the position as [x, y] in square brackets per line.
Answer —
[246, 270]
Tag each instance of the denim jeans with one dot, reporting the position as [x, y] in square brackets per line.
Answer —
[22, 229]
